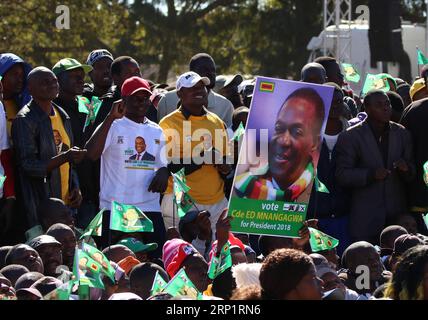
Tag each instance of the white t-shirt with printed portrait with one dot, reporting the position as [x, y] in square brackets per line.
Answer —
[124, 178]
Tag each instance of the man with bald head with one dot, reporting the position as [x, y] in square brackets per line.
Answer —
[42, 172]
[374, 162]
[388, 236]
[313, 73]
[362, 253]
[66, 236]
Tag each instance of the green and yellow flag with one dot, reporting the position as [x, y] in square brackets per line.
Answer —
[95, 226]
[182, 199]
[101, 259]
[351, 73]
[181, 285]
[375, 81]
[159, 284]
[86, 271]
[129, 218]
[320, 241]
[90, 107]
[421, 57]
[180, 180]
[221, 263]
[89, 264]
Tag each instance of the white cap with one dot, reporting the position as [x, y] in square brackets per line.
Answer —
[189, 79]
[124, 296]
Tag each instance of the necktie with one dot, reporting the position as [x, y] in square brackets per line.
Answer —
[138, 157]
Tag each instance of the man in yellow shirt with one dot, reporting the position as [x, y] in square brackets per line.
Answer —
[42, 172]
[197, 142]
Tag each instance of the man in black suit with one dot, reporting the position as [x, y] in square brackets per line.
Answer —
[375, 161]
[140, 147]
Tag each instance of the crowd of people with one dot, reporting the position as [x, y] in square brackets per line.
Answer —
[70, 148]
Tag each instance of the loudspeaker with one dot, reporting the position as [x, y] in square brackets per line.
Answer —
[385, 37]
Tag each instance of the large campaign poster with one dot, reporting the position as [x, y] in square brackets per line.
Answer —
[278, 157]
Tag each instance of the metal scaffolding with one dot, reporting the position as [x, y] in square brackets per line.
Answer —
[339, 14]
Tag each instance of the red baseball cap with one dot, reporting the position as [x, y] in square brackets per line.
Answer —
[133, 85]
[174, 253]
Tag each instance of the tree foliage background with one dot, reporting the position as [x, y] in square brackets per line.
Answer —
[266, 37]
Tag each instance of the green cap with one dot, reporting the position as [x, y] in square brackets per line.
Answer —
[67, 64]
[137, 246]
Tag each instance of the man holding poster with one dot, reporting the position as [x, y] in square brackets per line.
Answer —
[272, 197]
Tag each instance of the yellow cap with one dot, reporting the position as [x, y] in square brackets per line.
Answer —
[417, 86]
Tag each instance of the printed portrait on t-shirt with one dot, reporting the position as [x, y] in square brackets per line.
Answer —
[60, 146]
[140, 151]
[131, 157]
